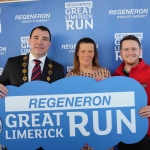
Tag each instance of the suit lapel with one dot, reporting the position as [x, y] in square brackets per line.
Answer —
[45, 70]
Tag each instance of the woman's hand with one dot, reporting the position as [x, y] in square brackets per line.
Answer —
[99, 78]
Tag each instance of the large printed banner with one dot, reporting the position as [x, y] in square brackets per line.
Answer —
[71, 112]
[106, 22]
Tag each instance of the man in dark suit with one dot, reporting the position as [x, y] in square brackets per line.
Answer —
[18, 70]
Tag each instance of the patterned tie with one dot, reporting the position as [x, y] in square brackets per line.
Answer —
[36, 72]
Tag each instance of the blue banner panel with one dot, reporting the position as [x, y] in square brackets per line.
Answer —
[106, 22]
[71, 112]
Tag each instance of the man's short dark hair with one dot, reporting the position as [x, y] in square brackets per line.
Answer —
[130, 37]
[43, 28]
